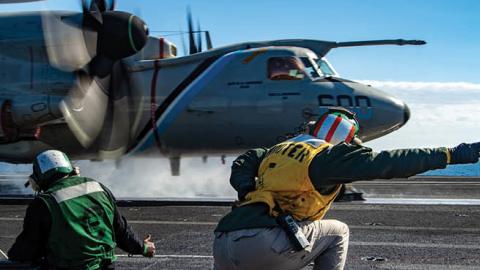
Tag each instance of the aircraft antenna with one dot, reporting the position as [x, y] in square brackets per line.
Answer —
[191, 39]
[209, 40]
[199, 37]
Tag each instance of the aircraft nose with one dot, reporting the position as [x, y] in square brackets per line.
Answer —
[397, 110]
[406, 113]
[389, 114]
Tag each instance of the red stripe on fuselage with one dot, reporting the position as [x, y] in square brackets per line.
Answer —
[161, 48]
[174, 95]
[153, 102]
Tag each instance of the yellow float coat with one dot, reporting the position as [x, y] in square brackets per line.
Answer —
[283, 181]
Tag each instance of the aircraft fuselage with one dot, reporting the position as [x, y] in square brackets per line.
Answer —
[221, 101]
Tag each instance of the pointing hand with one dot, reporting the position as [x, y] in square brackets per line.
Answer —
[148, 247]
[465, 153]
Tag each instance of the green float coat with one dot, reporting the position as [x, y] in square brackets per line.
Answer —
[81, 234]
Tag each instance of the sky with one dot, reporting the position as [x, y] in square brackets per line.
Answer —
[449, 27]
[439, 81]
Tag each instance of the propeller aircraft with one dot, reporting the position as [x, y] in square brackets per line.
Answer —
[95, 85]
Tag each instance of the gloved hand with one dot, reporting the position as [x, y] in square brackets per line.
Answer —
[148, 247]
[465, 153]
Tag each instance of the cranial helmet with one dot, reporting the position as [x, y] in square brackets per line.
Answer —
[335, 126]
[49, 166]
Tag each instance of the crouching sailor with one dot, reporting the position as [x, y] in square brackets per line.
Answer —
[279, 221]
[73, 222]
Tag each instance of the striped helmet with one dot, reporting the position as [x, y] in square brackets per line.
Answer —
[335, 126]
[50, 164]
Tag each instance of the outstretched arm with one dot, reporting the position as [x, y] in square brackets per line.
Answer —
[344, 163]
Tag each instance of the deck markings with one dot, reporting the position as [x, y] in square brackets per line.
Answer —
[3, 254]
[355, 227]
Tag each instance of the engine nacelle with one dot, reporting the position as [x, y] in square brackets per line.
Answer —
[155, 49]
[22, 118]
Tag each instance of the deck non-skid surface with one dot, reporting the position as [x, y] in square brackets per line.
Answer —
[383, 236]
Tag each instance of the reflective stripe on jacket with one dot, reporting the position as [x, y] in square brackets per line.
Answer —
[283, 180]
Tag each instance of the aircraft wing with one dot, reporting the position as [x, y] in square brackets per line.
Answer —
[17, 1]
[321, 47]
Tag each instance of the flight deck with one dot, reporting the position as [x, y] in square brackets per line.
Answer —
[419, 223]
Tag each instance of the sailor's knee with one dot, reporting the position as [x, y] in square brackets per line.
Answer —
[345, 233]
[339, 228]
[344, 229]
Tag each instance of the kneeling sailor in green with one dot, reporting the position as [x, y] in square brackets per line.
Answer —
[73, 222]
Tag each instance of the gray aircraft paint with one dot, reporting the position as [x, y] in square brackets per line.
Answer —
[211, 105]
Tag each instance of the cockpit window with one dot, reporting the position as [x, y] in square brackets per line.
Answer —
[285, 68]
[310, 68]
[325, 68]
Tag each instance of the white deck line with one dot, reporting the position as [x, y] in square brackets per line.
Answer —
[3, 254]
[176, 256]
[353, 243]
[420, 201]
[415, 245]
[378, 265]
[356, 227]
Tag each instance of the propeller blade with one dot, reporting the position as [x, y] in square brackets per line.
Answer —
[191, 39]
[103, 5]
[113, 5]
[69, 46]
[71, 40]
[182, 40]
[95, 41]
[85, 107]
[95, 12]
[199, 38]
[92, 10]
[85, 5]
[114, 139]
[209, 40]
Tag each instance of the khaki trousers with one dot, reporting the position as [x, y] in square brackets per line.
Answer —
[270, 248]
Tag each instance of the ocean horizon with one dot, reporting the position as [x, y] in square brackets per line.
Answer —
[457, 170]
[451, 170]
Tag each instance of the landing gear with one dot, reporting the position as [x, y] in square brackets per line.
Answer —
[175, 165]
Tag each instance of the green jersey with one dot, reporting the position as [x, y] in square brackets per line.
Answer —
[81, 235]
